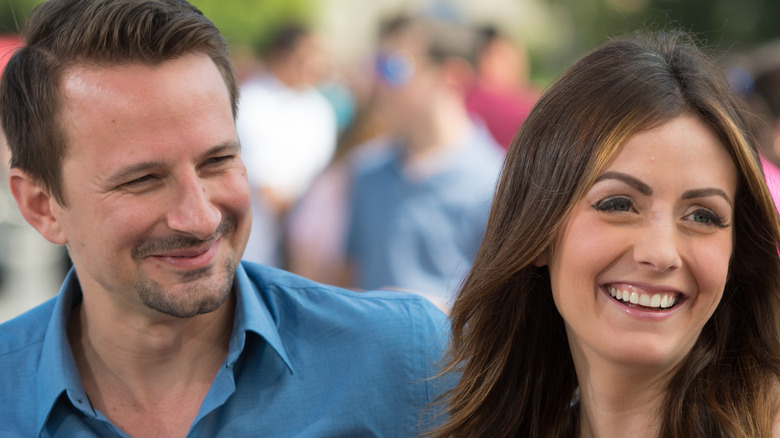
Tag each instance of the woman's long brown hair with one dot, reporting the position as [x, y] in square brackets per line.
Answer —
[508, 339]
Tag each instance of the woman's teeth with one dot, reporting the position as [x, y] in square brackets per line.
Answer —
[658, 301]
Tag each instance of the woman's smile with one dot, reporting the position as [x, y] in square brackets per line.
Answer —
[638, 297]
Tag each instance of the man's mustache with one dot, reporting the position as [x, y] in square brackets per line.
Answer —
[159, 244]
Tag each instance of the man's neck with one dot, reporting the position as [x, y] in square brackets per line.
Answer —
[156, 370]
[287, 75]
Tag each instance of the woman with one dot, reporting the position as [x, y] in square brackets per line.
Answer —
[629, 281]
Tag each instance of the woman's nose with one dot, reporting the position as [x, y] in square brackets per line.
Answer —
[656, 246]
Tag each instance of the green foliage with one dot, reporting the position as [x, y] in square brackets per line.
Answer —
[250, 22]
[13, 13]
[722, 23]
[724, 26]
[241, 21]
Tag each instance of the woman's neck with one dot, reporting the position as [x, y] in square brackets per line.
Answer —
[619, 400]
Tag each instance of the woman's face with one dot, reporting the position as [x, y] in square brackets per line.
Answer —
[641, 263]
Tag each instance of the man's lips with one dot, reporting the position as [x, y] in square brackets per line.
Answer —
[186, 252]
[189, 258]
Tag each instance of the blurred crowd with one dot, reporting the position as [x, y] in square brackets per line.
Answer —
[756, 76]
[380, 174]
[384, 181]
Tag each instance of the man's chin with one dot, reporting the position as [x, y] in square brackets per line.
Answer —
[196, 292]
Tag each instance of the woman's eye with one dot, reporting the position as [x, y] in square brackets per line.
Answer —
[707, 217]
[615, 203]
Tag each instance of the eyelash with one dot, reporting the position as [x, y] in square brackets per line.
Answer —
[612, 203]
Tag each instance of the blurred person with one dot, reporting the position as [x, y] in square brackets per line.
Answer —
[419, 196]
[246, 62]
[337, 89]
[120, 118]
[628, 284]
[763, 96]
[502, 95]
[288, 132]
[316, 226]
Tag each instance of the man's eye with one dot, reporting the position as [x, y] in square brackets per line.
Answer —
[140, 180]
[218, 160]
[615, 203]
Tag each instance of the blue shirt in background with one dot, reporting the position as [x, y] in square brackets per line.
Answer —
[418, 228]
[305, 360]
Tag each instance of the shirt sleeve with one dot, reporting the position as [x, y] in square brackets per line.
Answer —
[434, 335]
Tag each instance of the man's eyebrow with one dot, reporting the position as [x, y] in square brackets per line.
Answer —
[628, 179]
[703, 193]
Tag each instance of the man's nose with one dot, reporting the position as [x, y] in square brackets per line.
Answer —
[192, 211]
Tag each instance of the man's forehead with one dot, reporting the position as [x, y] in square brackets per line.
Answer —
[145, 104]
[98, 77]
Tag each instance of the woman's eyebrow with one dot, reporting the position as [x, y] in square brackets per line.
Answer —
[628, 179]
[703, 193]
[647, 190]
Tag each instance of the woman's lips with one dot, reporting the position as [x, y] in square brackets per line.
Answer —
[647, 298]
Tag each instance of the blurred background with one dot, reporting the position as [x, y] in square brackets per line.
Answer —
[544, 35]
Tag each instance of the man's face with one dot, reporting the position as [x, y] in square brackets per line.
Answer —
[157, 212]
[408, 82]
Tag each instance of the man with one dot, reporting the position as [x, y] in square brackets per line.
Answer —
[288, 132]
[502, 94]
[120, 118]
[419, 207]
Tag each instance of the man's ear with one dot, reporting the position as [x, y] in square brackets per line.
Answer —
[37, 206]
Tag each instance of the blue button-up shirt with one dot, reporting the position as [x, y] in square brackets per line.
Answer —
[305, 360]
[421, 233]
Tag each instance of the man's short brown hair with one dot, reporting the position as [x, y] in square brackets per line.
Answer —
[62, 33]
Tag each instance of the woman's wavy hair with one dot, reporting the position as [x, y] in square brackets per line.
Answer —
[508, 339]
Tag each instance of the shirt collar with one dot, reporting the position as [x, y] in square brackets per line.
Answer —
[252, 315]
[57, 371]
